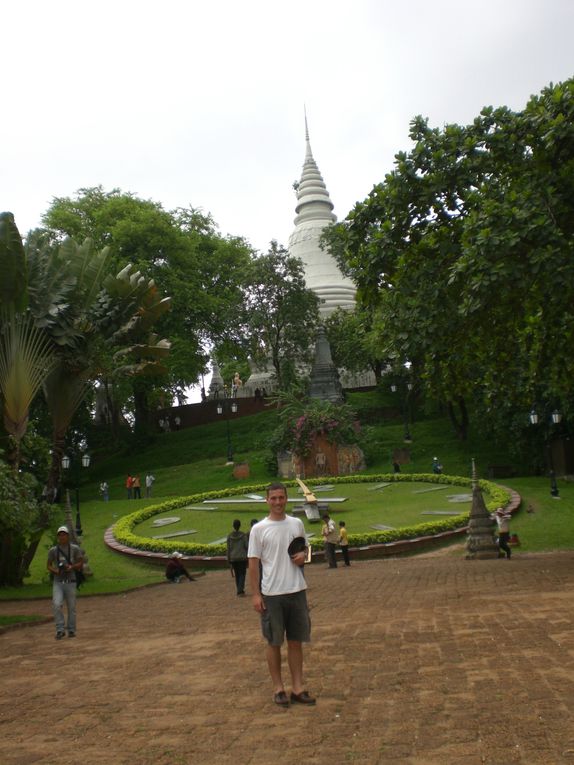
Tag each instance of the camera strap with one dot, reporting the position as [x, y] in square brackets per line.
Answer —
[67, 557]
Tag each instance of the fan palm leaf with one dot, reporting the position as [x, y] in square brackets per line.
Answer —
[26, 357]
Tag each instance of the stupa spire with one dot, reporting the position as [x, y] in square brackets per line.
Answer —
[314, 213]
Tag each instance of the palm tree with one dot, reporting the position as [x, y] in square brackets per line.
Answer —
[26, 352]
[62, 306]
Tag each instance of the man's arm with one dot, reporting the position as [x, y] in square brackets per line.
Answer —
[50, 566]
[257, 599]
[78, 563]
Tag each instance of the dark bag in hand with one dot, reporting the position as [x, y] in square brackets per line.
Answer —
[80, 578]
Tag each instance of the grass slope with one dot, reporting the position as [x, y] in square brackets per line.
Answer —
[193, 460]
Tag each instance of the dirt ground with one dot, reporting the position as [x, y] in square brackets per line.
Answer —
[422, 660]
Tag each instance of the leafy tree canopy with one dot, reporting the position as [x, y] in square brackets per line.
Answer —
[180, 249]
[464, 254]
[279, 315]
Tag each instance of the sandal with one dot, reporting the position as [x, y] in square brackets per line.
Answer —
[303, 698]
[281, 699]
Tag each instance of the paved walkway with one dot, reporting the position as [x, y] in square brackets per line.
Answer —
[422, 660]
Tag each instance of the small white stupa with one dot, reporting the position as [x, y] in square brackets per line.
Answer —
[315, 212]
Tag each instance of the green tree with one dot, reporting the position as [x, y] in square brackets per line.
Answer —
[353, 344]
[181, 250]
[26, 354]
[464, 255]
[516, 272]
[19, 515]
[64, 309]
[280, 315]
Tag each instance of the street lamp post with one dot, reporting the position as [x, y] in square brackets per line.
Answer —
[223, 407]
[85, 462]
[405, 409]
[556, 419]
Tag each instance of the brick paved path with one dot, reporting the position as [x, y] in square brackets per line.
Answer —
[420, 660]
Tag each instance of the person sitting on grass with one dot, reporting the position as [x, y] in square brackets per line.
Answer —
[175, 570]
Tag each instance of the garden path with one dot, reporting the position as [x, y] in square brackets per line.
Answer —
[420, 660]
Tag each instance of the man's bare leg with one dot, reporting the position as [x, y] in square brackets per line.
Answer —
[295, 661]
[274, 664]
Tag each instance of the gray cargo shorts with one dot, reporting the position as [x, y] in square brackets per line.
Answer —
[286, 615]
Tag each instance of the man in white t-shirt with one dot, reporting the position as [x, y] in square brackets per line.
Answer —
[281, 599]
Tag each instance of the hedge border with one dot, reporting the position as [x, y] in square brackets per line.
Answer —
[121, 538]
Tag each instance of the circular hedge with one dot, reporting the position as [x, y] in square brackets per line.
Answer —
[124, 534]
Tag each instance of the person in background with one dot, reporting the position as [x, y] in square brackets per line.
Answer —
[175, 570]
[129, 485]
[331, 538]
[237, 543]
[436, 466]
[502, 519]
[105, 491]
[149, 479]
[344, 542]
[64, 559]
[137, 487]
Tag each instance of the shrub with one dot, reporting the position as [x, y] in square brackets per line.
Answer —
[123, 529]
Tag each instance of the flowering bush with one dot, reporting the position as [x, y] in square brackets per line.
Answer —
[302, 420]
[338, 427]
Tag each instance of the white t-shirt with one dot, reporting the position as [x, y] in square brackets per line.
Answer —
[268, 541]
[503, 522]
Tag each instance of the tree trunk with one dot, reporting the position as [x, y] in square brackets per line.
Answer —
[52, 484]
[141, 411]
[377, 368]
[277, 367]
[460, 422]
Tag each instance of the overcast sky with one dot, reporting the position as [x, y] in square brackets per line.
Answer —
[201, 103]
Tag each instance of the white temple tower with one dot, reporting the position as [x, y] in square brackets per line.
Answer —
[314, 212]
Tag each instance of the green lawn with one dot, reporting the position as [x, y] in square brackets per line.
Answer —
[550, 524]
[396, 505]
[6, 621]
[193, 460]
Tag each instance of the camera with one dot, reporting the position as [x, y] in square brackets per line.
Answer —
[61, 566]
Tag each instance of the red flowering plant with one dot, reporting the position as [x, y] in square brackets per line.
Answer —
[302, 420]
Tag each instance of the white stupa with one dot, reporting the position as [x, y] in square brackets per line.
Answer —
[315, 212]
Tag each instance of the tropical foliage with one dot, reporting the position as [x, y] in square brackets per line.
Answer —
[19, 518]
[464, 255]
[65, 316]
[200, 269]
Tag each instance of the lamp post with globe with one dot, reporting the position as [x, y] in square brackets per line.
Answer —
[405, 408]
[78, 460]
[555, 419]
[224, 406]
